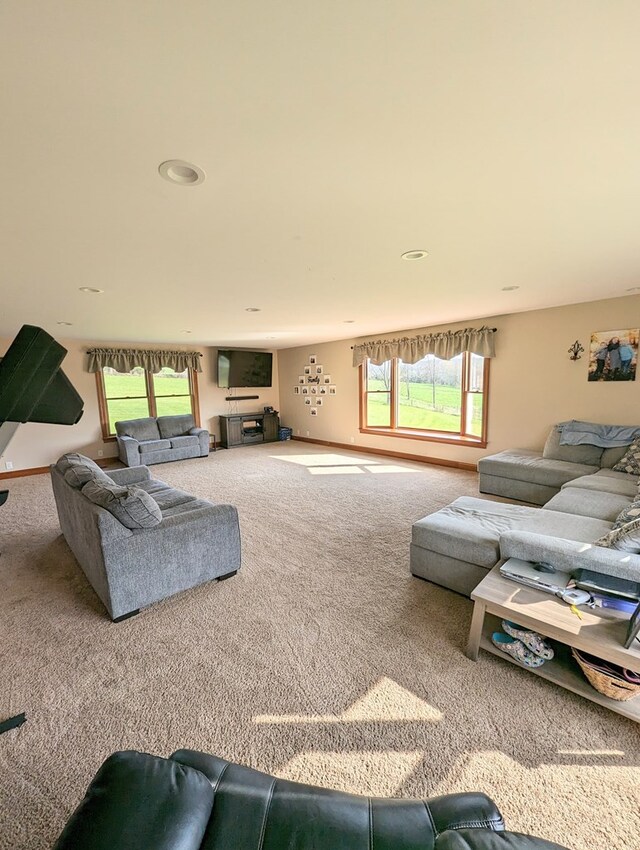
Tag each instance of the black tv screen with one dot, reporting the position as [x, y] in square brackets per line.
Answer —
[244, 368]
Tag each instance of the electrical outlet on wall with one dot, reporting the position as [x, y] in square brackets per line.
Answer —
[352, 439]
[100, 453]
[8, 465]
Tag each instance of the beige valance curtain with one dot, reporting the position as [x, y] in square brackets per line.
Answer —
[444, 345]
[126, 359]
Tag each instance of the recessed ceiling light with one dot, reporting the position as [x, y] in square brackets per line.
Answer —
[271, 337]
[414, 255]
[181, 172]
[91, 290]
[186, 332]
[349, 321]
[252, 309]
[509, 288]
[68, 324]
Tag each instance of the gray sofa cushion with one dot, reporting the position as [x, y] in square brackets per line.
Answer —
[79, 474]
[607, 481]
[131, 506]
[139, 429]
[154, 446]
[469, 529]
[586, 502]
[75, 459]
[574, 454]
[175, 426]
[530, 466]
[177, 442]
[78, 469]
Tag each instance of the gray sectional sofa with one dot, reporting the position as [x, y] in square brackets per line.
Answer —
[160, 439]
[458, 545]
[139, 540]
[535, 477]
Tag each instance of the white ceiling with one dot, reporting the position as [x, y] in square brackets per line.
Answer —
[503, 137]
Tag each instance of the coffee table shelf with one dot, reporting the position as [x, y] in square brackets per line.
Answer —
[497, 598]
[562, 670]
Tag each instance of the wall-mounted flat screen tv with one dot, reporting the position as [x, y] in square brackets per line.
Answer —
[244, 368]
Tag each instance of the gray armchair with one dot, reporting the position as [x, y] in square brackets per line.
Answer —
[142, 442]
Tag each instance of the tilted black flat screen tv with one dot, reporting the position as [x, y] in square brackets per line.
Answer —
[33, 387]
[244, 368]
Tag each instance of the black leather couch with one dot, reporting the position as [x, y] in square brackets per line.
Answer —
[195, 801]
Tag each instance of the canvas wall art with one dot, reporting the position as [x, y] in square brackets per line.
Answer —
[613, 355]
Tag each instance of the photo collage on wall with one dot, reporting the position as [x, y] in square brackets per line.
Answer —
[314, 385]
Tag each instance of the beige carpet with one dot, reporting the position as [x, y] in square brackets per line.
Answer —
[323, 660]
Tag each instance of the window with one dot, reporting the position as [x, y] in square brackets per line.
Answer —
[140, 392]
[431, 399]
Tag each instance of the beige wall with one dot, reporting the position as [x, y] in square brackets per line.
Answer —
[533, 382]
[38, 445]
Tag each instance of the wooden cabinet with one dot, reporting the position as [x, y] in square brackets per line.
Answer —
[242, 429]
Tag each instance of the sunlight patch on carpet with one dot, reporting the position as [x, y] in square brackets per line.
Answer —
[325, 459]
[386, 700]
[375, 773]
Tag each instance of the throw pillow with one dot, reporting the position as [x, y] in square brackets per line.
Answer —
[77, 475]
[631, 512]
[626, 538]
[74, 459]
[612, 456]
[554, 450]
[132, 506]
[630, 463]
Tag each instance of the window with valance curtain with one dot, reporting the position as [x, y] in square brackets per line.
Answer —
[134, 383]
[432, 386]
[444, 345]
[151, 359]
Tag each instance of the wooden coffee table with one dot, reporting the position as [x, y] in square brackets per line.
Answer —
[497, 598]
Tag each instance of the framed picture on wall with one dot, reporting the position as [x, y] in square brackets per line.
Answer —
[333, 390]
[307, 370]
[313, 411]
[302, 379]
[313, 359]
[296, 390]
[304, 390]
[307, 401]
[319, 402]
[613, 355]
[326, 379]
[318, 370]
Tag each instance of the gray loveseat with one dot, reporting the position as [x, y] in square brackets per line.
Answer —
[458, 545]
[161, 439]
[180, 542]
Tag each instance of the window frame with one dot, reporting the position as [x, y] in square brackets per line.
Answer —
[109, 436]
[456, 438]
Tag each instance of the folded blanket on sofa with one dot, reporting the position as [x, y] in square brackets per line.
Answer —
[577, 433]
